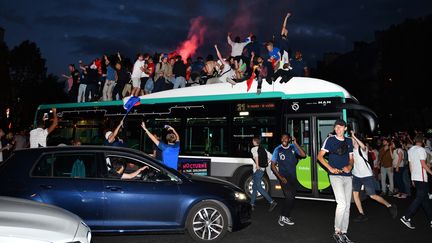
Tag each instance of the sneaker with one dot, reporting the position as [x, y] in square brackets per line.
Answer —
[345, 238]
[338, 238]
[393, 211]
[430, 196]
[273, 204]
[280, 221]
[407, 222]
[252, 207]
[361, 218]
[287, 221]
[258, 91]
[403, 196]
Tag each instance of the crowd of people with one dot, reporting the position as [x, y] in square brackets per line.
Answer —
[395, 166]
[112, 77]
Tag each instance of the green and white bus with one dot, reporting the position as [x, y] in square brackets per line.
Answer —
[217, 123]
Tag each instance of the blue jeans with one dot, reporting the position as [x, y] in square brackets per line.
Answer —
[179, 82]
[256, 186]
[421, 200]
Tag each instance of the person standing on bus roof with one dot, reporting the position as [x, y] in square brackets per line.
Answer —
[363, 176]
[261, 158]
[38, 136]
[285, 157]
[340, 164]
[170, 151]
[111, 138]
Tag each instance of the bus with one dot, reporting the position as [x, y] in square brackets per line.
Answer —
[217, 123]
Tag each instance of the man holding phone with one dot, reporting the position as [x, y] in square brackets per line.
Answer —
[38, 136]
[171, 149]
[285, 158]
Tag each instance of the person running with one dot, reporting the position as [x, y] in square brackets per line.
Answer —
[419, 176]
[339, 164]
[261, 158]
[285, 158]
[363, 176]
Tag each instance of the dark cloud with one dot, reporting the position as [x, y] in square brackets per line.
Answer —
[91, 28]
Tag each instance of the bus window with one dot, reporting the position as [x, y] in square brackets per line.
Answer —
[156, 126]
[246, 127]
[206, 136]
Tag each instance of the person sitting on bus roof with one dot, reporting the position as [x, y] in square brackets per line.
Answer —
[111, 138]
[226, 73]
[170, 151]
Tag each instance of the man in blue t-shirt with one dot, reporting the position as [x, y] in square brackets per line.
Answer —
[285, 158]
[340, 163]
[170, 150]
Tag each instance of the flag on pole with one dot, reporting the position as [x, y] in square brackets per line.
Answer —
[129, 103]
[251, 79]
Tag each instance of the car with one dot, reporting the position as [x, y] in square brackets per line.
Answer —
[122, 190]
[23, 220]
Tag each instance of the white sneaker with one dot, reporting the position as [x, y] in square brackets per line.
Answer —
[407, 222]
[430, 196]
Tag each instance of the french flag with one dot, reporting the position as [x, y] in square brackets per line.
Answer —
[130, 102]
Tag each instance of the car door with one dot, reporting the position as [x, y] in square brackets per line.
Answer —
[149, 201]
[70, 181]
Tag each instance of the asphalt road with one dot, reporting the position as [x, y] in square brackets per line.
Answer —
[313, 223]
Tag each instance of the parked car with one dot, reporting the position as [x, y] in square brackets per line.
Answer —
[121, 190]
[26, 221]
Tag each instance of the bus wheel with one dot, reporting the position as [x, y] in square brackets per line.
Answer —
[247, 182]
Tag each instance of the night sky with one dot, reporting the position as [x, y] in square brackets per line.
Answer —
[68, 31]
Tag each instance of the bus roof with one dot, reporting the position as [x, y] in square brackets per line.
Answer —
[296, 88]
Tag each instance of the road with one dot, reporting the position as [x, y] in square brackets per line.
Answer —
[313, 223]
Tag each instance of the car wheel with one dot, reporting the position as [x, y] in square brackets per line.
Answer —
[247, 182]
[207, 222]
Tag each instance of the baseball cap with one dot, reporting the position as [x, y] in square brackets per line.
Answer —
[107, 134]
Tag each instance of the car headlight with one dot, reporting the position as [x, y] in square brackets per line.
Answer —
[240, 196]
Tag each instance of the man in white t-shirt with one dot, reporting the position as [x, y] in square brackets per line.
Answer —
[137, 73]
[363, 175]
[419, 169]
[226, 74]
[38, 136]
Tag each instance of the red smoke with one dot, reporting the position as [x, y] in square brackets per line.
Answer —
[195, 38]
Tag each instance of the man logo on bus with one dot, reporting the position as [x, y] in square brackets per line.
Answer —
[295, 106]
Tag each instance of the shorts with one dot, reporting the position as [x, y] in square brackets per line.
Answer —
[368, 182]
[136, 82]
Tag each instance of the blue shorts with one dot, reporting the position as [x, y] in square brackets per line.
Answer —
[368, 182]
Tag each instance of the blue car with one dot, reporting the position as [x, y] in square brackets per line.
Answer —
[120, 190]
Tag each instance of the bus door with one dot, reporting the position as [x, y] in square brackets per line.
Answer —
[300, 128]
[310, 132]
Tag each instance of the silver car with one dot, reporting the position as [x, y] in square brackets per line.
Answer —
[28, 221]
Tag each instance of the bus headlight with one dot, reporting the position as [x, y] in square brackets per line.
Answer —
[240, 196]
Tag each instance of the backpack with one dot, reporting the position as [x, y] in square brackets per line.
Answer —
[262, 157]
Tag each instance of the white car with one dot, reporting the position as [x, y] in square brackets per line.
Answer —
[28, 221]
